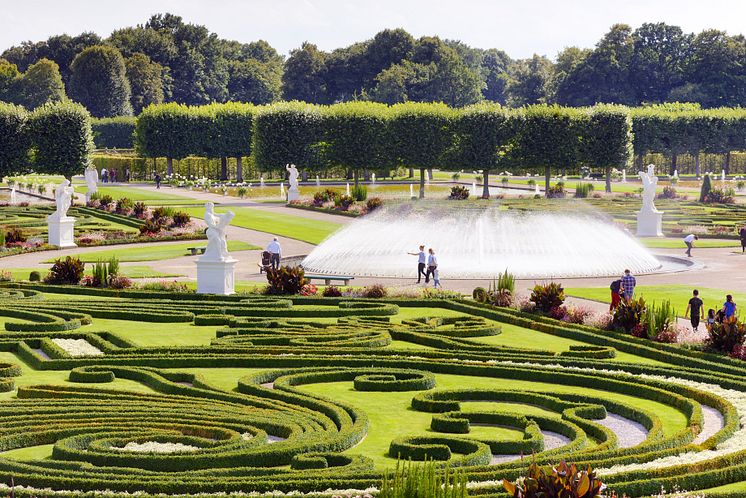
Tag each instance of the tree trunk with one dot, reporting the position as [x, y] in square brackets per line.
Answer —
[430, 174]
[356, 175]
[638, 162]
[486, 185]
[422, 183]
[726, 164]
[169, 166]
[239, 169]
[366, 174]
[608, 179]
[547, 176]
[697, 166]
[224, 168]
[674, 167]
[411, 172]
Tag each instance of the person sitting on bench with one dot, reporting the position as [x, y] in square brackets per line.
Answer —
[275, 252]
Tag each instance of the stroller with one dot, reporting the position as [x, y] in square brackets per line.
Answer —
[266, 263]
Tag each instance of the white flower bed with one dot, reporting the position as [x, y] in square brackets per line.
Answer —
[156, 447]
[78, 347]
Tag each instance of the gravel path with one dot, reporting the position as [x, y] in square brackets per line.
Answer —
[714, 421]
[628, 432]
[78, 347]
[552, 440]
[156, 447]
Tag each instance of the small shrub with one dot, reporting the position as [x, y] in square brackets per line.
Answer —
[459, 192]
[556, 191]
[503, 298]
[151, 227]
[659, 318]
[34, 276]
[547, 296]
[162, 212]
[323, 196]
[425, 480]
[504, 180]
[456, 176]
[285, 280]
[359, 193]
[66, 271]
[119, 282]
[14, 236]
[720, 196]
[629, 315]
[242, 191]
[6, 276]
[740, 185]
[181, 219]
[375, 291]
[105, 201]
[139, 209]
[373, 204]
[124, 205]
[479, 294]
[332, 291]
[565, 481]
[165, 286]
[724, 337]
[558, 313]
[506, 281]
[308, 290]
[706, 188]
[583, 190]
[531, 182]
[669, 192]
[578, 314]
[344, 202]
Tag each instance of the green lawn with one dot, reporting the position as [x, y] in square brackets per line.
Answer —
[138, 194]
[674, 243]
[155, 252]
[286, 225]
[139, 271]
[679, 295]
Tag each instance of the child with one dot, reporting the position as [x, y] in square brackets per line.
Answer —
[710, 319]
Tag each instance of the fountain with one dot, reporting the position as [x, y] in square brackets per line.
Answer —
[537, 190]
[722, 176]
[373, 178]
[13, 197]
[624, 176]
[261, 182]
[474, 189]
[347, 188]
[318, 182]
[676, 173]
[411, 190]
[282, 190]
[479, 242]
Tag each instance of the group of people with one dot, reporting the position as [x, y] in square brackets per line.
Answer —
[427, 265]
[110, 176]
[622, 288]
[696, 305]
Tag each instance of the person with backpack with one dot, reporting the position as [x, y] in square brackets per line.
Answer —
[616, 294]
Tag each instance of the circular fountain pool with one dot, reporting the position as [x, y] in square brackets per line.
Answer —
[479, 243]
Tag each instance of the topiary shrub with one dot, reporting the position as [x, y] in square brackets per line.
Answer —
[66, 271]
[34, 276]
[332, 291]
[547, 296]
[285, 280]
[706, 188]
[668, 193]
[479, 294]
[375, 291]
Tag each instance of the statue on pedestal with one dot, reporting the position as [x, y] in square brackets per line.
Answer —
[60, 226]
[91, 180]
[293, 192]
[649, 183]
[63, 197]
[217, 246]
[649, 219]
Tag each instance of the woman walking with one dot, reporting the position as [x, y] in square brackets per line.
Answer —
[742, 236]
[729, 307]
[432, 267]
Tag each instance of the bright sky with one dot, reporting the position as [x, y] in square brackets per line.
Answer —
[520, 27]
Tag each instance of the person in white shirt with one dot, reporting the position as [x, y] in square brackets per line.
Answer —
[421, 258]
[432, 267]
[275, 252]
[689, 241]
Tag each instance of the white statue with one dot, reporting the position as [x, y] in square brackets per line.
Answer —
[292, 175]
[63, 196]
[649, 183]
[91, 179]
[217, 246]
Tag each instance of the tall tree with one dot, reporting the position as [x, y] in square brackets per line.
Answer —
[528, 80]
[495, 65]
[99, 82]
[304, 75]
[40, 84]
[658, 58]
[14, 147]
[62, 138]
[9, 76]
[254, 81]
[388, 47]
[146, 81]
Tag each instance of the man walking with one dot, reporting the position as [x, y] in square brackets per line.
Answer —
[275, 252]
[695, 306]
[742, 236]
[421, 258]
[628, 285]
[157, 181]
[689, 241]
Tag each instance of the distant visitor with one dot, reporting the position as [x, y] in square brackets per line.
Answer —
[689, 241]
[421, 263]
[275, 253]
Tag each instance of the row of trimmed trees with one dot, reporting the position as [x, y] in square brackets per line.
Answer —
[55, 138]
[361, 136]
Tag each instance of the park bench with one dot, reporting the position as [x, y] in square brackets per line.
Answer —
[194, 250]
[328, 279]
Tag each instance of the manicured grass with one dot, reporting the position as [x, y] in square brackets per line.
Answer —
[678, 243]
[294, 227]
[149, 334]
[139, 271]
[679, 295]
[29, 453]
[150, 197]
[156, 251]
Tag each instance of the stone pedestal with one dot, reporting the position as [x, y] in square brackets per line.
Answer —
[650, 223]
[61, 232]
[216, 277]
[293, 194]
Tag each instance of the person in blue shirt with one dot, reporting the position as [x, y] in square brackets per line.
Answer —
[729, 307]
[421, 259]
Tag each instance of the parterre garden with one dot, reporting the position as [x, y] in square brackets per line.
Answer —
[158, 392]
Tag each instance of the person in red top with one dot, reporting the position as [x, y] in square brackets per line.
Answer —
[616, 294]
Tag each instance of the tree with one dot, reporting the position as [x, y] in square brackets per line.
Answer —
[484, 134]
[255, 82]
[356, 136]
[395, 84]
[562, 88]
[304, 75]
[146, 81]
[388, 47]
[114, 133]
[421, 135]
[607, 138]
[657, 65]
[167, 130]
[9, 76]
[14, 147]
[62, 139]
[99, 82]
[61, 49]
[287, 132]
[549, 137]
[227, 130]
[706, 189]
[40, 84]
[528, 80]
[495, 65]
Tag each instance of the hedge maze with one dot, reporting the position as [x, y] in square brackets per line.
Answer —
[292, 420]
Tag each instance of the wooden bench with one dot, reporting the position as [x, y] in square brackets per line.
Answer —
[195, 250]
[328, 279]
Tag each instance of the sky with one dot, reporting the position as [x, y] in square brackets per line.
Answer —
[520, 27]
